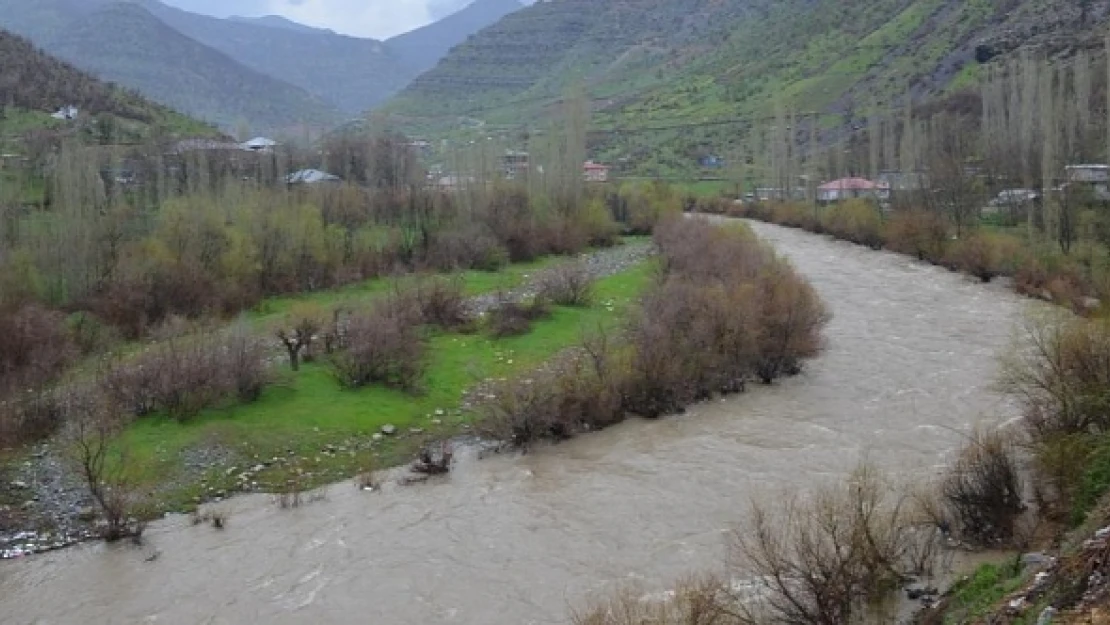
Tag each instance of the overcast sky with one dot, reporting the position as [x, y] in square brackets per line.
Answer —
[366, 18]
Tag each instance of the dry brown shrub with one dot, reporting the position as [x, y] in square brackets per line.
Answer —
[983, 490]
[796, 216]
[921, 234]
[471, 246]
[825, 559]
[92, 424]
[515, 318]
[35, 347]
[1060, 372]
[568, 284]
[381, 345]
[791, 323]
[975, 255]
[858, 221]
[441, 301]
[582, 391]
[705, 600]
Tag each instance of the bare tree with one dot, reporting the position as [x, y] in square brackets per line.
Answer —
[101, 460]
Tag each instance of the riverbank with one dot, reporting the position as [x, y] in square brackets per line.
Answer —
[306, 431]
[1078, 280]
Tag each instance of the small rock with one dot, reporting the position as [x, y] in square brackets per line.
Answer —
[1091, 303]
[389, 429]
[30, 503]
[1103, 533]
[1035, 559]
[1046, 616]
[416, 431]
[437, 421]
[258, 468]
[20, 485]
[440, 412]
[231, 471]
[377, 437]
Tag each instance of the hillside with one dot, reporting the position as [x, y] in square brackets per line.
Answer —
[124, 43]
[277, 21]
[698, 71]
[37, 84]
[349, 73]
[422, 48]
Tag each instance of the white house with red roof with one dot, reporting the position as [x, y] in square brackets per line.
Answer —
[849, 188]
[595, 172]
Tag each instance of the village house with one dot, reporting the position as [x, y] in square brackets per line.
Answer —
[852, 188]
[595, 172]
[311, 177]
[66, 112]
[259, 144]
[1094, 177]
[514, 164]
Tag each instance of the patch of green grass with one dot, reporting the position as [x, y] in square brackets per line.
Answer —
[1094, 484]
[311, 410]
[983, 590]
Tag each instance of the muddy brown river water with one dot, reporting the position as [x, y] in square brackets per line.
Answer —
[911, 357]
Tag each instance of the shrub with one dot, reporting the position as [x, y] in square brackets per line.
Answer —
[983, 489]
[858, 221]
[974, 255]
[183, 376]
[1061, 376]
[823, 559]
[382, 345]
[795, 216]
[639, 207]
[440, 301]
[35, 347]
[515, 318]
[471, 246]
[921, 234]
[703, 600]
[569, 284]
[791, 322]
[581, 392]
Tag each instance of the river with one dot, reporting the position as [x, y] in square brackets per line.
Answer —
[910, 361]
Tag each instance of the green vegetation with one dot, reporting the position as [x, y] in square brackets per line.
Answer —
[713, 67]
[981, 592]
[310, 410]
[38, 85]
[126, 44]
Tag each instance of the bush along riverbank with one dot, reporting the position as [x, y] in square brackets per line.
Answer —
[724, 311]
[1078, 278]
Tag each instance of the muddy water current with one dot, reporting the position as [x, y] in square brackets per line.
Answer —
[910, 362]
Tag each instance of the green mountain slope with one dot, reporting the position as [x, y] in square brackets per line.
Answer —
[351, 73]
[424, 47]
[679, 77]
[34, 84]
[126, 44]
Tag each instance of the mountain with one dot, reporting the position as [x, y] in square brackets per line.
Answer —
[125, 43]
[33, 81]
[424, 47]
[677, 75]
[351, 73]
[277, 21]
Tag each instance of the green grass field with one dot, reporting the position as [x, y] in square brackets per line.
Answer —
[300, 417]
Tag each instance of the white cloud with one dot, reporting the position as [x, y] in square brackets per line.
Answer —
[368, 18]
[379, 19]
